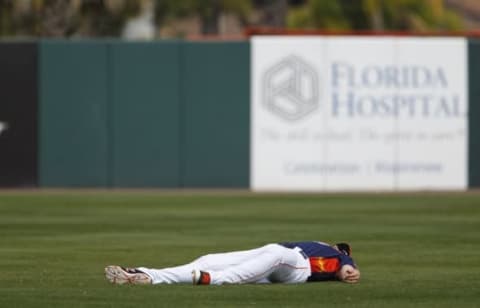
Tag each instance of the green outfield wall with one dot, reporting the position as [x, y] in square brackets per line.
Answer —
[159, 114]
[474, 113]
[144, 114]
[215, 115]
[73, 107]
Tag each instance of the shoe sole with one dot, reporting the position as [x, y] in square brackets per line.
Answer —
[116, 275]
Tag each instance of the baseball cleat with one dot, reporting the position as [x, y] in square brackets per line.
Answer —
[200, 277]
[122, 275]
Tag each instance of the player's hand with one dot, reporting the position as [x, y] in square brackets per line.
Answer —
[348, 274]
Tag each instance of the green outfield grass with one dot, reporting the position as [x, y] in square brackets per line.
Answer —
[414, 250]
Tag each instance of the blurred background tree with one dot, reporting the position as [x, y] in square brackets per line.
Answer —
[409, 15]
[209, 11]
[64, 18]
[148, 18]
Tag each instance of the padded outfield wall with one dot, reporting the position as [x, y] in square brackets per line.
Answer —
[158, 114]
[178, 114]
[474, 113]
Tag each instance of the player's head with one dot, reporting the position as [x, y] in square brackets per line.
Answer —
[343, 248]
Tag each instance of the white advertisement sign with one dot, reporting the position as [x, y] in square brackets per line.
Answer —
[358, 113]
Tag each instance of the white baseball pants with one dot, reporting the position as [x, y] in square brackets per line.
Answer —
[270, 263]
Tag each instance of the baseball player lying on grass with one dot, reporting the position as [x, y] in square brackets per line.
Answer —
[297, 262]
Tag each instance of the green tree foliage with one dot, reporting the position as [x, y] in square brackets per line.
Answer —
[208, 10]
[99, 18]
[64, 18]
[409, 15]
[320, 14]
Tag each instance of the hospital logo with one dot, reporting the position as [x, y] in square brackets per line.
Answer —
[290, 89]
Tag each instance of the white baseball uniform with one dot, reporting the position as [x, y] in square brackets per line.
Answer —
[270, 263]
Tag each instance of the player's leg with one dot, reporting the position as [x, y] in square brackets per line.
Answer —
[210, 262]
[271, 261]
[170, 275]
[223, 260]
